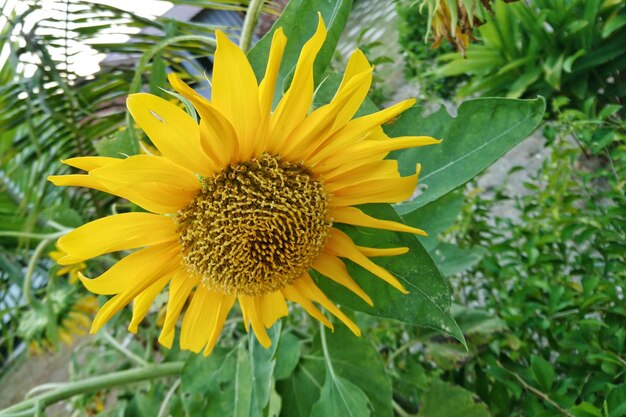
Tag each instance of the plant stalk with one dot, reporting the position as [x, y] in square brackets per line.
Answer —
[97, 383]
[249, 24]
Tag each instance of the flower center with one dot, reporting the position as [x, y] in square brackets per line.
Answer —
[255, 227]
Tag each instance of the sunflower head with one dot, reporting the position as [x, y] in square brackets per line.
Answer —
[241, 205]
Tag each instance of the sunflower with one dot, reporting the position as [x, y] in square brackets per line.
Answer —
[241, 205]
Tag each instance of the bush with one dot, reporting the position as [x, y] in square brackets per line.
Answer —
[540, 49]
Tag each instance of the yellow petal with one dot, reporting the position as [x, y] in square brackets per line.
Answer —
[217, 135]
[236, 92]
[153, 197]
[114, 233]
[374, 252]
[78, 180]
[341, 245]
[272, 307]
[331, 267]
[387, 169]
[365, 149]
[376, 191]
[143, 301]
[268, 85]
[87, 163]
[250, 308]
[355, 129]
[354, 216]
[224, 308]
[324, 121]
[295, 104]
[180, 288]
[139, 169]
[292, 294]
[175, 134]
[307, 286]
[134, 287]
[139, 266]
[199, 319]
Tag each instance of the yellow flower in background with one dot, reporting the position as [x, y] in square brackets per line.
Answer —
[454, 20]
[457, 30]
[242, 204]
[72, 270]
[70, 318]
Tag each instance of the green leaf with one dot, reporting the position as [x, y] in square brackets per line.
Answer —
[218, 385]
[434, 217]
[236, 382]
[118, 146]
[615, 404]
[542, 372]
[263, 362]
[242, 403]
[451, 259]
[299, 21]
[340, 397]
[353, 359]
[585, 409]
[612, 24]
[287, 355]
[158, 75]
[428, 301]
[474, 321]
[445, 400]
[483, 131]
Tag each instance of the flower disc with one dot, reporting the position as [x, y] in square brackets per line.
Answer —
[255, 227]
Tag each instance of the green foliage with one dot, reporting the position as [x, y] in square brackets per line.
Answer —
[445, 400]
[554, 274]
[419, 56]
[482, 131]
[548, 47]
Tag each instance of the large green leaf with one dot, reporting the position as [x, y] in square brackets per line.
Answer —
[445, 400]
[263, 362]
[234, 382]
[428, 301]
[434, 217]
[483, 130]
[353, 359]
[340, 397]
[299, 20]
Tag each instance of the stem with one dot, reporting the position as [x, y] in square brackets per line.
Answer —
[97, 383]
[329, 364]
[122, 349]
[249, 24]
[32, 263]
[166, 401]
[535, 391]
[28, 235]
[399, 410]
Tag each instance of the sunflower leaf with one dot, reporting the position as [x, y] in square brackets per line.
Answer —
[340, 397]
[299, 20]
[236, 382]
[428, 302]
[310, 391]
[483, 130]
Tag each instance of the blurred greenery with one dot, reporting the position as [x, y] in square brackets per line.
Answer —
[516, 303]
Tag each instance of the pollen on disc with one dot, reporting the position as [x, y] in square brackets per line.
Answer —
[255, 227]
